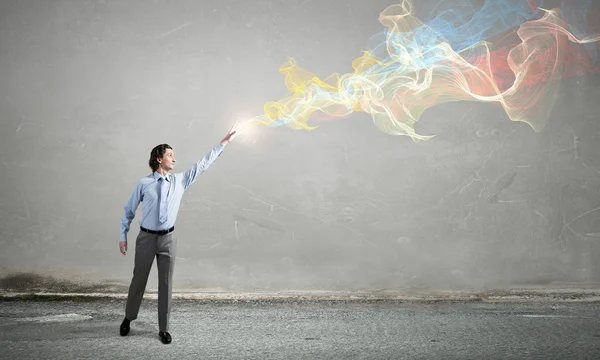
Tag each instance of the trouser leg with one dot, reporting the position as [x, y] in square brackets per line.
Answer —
[165, 259]
[145, 250]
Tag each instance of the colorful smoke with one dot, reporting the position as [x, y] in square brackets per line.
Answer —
[509, 52]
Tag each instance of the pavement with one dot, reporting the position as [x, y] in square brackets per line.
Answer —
[88, 328]
[42, 318]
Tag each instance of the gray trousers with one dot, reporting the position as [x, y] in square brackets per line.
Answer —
[147, 246]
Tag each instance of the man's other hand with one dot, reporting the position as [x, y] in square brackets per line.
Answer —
[123, 247]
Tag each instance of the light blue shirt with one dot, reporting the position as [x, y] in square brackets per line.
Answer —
[147, 191]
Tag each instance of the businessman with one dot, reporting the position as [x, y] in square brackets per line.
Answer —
[160, 194]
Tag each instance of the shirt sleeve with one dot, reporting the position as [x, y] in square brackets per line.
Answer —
[190, 176]
[130, 209]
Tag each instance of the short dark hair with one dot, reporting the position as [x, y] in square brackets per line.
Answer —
[157, 153]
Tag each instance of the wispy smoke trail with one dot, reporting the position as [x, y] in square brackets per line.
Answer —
[509, 52]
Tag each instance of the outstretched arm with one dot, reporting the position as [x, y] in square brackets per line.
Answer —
[190, 176]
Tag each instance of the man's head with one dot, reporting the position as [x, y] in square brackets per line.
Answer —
[162, 156]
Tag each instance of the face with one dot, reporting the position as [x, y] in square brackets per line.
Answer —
[167, 162]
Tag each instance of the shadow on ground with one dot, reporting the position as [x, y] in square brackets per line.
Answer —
[36, 287]
[35, 283]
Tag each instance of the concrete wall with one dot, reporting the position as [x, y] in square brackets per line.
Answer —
[87, 88]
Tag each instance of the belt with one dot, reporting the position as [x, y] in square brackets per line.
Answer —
[158, 232]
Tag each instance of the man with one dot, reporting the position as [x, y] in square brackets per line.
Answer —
[160, 194]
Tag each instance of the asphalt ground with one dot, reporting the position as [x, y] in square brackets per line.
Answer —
[291, 329]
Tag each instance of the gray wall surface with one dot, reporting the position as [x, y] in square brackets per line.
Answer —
[87, 88]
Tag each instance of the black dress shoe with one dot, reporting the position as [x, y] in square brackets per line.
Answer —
[124, 327]
[165, 337]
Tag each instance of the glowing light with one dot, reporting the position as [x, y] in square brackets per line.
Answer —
[247, 131]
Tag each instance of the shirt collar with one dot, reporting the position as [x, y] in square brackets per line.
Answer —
[158, 176]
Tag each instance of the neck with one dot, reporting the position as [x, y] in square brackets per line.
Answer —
[162, 171]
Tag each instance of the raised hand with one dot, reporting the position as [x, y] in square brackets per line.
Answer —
[231, 134]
